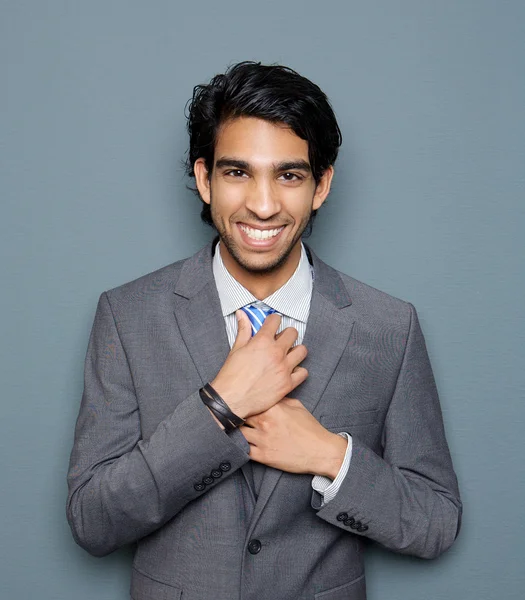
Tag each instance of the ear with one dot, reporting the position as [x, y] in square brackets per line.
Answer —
[323, 188]
[201, 179]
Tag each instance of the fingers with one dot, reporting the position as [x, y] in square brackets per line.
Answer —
[244, 330]
[292, 402]
[287, 337]
[299, 375]
[270, 325]
[296, 356]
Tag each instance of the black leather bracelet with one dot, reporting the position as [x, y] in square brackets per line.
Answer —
[236, 420]
[217, 410]
[220, 409]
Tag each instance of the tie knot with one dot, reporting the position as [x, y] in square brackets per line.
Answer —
[257, 313]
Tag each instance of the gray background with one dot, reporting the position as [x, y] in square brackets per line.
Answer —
[428, 205]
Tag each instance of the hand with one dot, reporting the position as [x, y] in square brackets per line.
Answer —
[288, 437]
[262, 369]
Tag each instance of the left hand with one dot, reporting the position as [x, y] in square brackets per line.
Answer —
[288, 437]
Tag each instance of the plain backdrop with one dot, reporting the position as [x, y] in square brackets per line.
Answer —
[428, 205]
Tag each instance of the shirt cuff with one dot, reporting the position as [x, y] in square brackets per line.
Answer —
[327, 487]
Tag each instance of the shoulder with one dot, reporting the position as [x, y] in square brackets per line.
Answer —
[368, 303]
[154, 292]
[149, 290]
[373, 301]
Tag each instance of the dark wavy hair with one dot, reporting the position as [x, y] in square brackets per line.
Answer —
[271, 92]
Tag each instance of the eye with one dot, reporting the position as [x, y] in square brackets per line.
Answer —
[235, 173]
[291, 177]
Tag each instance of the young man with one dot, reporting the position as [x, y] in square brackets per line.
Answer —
[250, 415]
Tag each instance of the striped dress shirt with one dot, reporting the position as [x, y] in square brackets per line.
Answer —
[292, 302]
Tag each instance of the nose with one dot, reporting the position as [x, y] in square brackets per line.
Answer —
[262, 200]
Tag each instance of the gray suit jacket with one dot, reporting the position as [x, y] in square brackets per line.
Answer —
[151, 467]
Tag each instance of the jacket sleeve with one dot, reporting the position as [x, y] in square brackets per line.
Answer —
[122, 487]
[407, 498]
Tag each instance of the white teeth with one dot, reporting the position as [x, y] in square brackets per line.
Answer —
[259, 234]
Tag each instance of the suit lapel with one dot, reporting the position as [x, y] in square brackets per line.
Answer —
[327, 333]
[199, 317]
[198, 314]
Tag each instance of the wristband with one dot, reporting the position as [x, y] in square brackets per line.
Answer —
[214, 408]
[219, 408]
[236, 420]
[214, 401]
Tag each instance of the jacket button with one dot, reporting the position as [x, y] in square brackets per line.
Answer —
[349, 522]
[199, 486]
[254, 546]
[342, 516]
[216, 473]
[355, 525]
[362, 528]
[225, 466]
[207, 480]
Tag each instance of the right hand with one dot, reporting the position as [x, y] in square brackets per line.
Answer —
[260, 370]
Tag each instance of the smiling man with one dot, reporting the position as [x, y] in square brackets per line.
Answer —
[264, 193]
[251, 416]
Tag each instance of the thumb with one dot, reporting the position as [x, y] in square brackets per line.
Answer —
[244, 330]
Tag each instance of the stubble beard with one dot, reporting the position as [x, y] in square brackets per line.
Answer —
[237, 255]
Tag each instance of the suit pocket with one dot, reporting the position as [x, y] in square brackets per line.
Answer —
[146, 588]
[349, 419]
[354, 590]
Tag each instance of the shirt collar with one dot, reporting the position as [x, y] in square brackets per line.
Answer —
[292, 299]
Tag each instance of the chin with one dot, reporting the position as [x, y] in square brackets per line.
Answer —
[258, 262]
[258, 267]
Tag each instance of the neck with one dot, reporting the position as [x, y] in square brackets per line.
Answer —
[262, 285]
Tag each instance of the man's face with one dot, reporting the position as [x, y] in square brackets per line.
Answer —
[261, 191]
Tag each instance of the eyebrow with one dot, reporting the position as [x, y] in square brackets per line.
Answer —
[300, 164]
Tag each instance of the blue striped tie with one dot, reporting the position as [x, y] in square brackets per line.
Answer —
[257, 313]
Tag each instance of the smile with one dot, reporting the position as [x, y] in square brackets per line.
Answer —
[260, 234]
